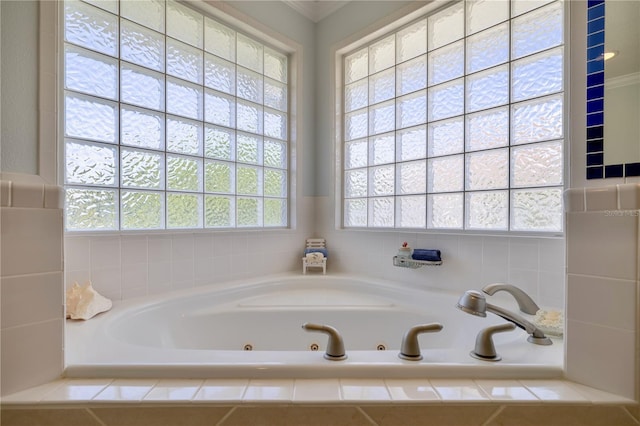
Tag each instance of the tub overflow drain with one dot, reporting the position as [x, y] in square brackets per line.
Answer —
[314, 347]
[248, 347]
[381, 347]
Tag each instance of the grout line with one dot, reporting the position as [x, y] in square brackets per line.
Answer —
[495, 415]
[95, 417]
[631, 416]
[226, 416]
[366, 416]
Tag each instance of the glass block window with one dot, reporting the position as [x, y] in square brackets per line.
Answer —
[172, 120]
[455, 121]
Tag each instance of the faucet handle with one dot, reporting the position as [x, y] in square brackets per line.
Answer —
[410, 348]
[335, 345]
[485, 350]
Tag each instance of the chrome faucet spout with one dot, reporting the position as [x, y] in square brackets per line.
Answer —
[525, 302]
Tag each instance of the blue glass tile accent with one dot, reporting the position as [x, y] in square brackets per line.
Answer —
[632, 169]
[596, 79]
[595, 172]
[595, 39]
[594, 66]
[595, 159]
[595, 132]
[595, 12]
[593, 3]
[596, 105]
[595, 145]
[595, 92]
[595, 52]
[595, 25]
[614, 171]
[596, 119]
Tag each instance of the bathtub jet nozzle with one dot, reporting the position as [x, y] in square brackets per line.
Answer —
[335, 346]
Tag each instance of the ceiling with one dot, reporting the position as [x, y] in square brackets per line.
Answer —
[315, 10]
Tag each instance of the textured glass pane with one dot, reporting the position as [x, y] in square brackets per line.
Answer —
[275, 212]
[381, 212]
[356, 125]
[483, 14]
[250, 117]
[249, 148]
[275, 94]
[381, 180]
[487, 129]
[149, 13]
[249, 180]
[142, 210]
[184, 136]
[355, 212]
[250, 85]
[220, 74]
[90, 73]
[275, 183]
[488, 89]
[537, 210]
[537, 164]
[382, 54]
[141, 87]
[90, 27]
[275, 65]
[275, 124]
[219, 142]
[275, 154]
[487, 210]
[412, 41]
[184, 61]
[412, 143]
[446, 63]
[91, 209]
[141, 45]
[355, 183]
[411, 75]
[219, 212]
[184, 210]
[249, 212]
[488, 48]
[185, 24]
[519, 7]
[412, 109]
[89, 118]
[184, 173]
[382, 118]
[250, 53]
[355, 154]
[445, 211]
[219, 177]
[142, 169]
[382, 149]
[356, 66]
[446, 137]
[219, 109]
[412, 177]
[537, 75]
[446, 100]
[90, 164]
[446, 26]
[219, 39]
[108, 5]
[184, 99]
[411, 212]
[536, 120]
[488, 169]
[356, 95]
[538, 30]
[382, 86]
[141, 128]
[446, 174]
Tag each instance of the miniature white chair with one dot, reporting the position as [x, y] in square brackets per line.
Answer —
[318, 259]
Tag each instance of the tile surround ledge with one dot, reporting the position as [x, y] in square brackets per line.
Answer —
[623, 197]
[26, 191]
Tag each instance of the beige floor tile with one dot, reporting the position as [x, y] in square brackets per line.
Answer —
[564, 415]
[431, 415]
[47, 417]
[296, 416]
[160, 416]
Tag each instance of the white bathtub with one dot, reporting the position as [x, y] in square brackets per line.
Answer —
[203, 333]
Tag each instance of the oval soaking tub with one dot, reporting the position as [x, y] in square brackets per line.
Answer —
[253, 329]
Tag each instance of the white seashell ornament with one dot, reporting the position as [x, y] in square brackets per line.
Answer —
[83, 302]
